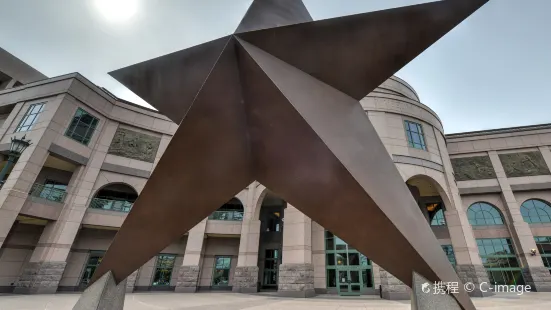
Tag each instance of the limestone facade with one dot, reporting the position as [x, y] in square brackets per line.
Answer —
[69, 192]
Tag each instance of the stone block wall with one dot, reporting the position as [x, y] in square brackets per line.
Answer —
[538, 278]
[477, 275]
[40, 278]
[296, 280]
[392, 288]
[188, 277]
[245, 279]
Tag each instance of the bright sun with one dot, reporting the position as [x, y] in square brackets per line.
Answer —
[117, 10]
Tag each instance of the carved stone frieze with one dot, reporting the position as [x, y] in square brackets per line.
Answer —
[523, 164]
[473, 168]
[135, 145]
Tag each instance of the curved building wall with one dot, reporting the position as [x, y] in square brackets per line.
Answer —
[388, 107]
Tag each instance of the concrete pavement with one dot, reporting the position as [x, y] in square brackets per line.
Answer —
[230, 301]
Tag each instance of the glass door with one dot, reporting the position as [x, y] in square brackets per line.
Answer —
[271, 266]
[349, 282]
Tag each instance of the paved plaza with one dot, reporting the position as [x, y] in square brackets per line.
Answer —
[229, 301]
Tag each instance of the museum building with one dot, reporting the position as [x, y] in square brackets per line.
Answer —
[486, 195]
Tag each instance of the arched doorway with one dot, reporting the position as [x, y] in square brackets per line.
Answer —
[427, 194]
[115, 197]
[432, 201]
[271, 215]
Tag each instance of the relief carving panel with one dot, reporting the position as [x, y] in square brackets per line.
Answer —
[473, 168]
[135, 145]
[523, 164]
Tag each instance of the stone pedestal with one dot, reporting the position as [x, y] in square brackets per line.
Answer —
[475, 274]
[245, 279]
[188, 277]
[104, 294]
[296, 280]
[40, 278]
[392, 288]
[538, 278]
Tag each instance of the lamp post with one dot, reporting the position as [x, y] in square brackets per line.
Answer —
[16, 149]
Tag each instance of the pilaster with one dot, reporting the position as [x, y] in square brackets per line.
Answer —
[188, 274]
[461, 234]
[523, 238]
[296, 273]
[245, 279]
[469, 265]
[318, 258]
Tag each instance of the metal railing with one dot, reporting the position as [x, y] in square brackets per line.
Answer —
[227, 215]
[111, 205]
[49, 193]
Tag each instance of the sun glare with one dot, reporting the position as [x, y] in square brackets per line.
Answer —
[117, 10]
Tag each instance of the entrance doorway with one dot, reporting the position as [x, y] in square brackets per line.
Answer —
[271, 266]
[270, 242]
[348, 271]
[350, 281]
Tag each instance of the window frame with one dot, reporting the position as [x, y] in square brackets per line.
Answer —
[438, 219]
[223, 269]
[331, 250]
[534, 208]
[480, 204]
[30, 113]
[91, 128]
[506, 256]
[545, 255]
[93, 253]
[52, 191]
[276, 262]
[159, 259]
[422, 144]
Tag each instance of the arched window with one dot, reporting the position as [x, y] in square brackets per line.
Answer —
[438, 219]
[482, 213]
[535, 211]
[115, 197]
[230, 211]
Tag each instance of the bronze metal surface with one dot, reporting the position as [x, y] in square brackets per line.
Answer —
[280, 105]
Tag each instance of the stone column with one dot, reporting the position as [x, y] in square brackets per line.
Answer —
[245, 279]
[392, 288]
[188, 274]
[534, 272]
[296, 273]
[47, 263]
[318, 258]
[469, 265]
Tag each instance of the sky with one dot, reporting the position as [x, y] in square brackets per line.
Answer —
[492, 71]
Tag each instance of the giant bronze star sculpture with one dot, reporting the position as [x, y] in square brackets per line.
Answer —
[277, 102]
